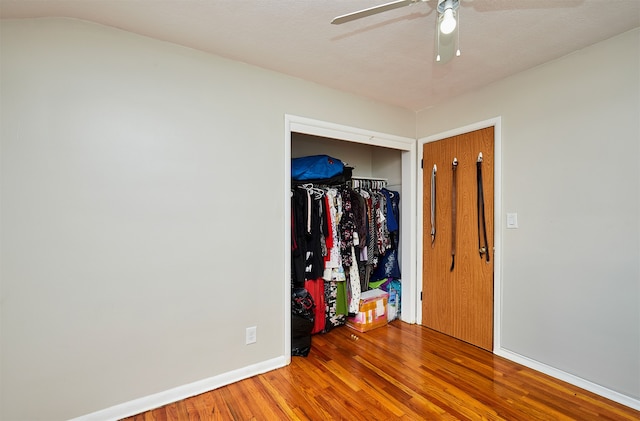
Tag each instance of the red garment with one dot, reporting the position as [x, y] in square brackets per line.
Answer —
[316, 289]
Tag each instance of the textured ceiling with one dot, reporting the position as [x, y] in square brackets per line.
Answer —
[388, 57]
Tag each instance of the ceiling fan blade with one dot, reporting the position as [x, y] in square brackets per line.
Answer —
[372, 11]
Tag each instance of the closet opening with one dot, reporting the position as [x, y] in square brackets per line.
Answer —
[377, 160]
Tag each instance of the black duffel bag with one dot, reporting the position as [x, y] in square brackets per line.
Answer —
[302, 318]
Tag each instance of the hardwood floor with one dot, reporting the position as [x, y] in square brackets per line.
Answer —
[399, 371]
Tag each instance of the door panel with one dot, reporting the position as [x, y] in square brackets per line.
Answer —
[459, 302]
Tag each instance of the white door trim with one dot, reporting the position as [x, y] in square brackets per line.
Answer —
[407, 146]
[495, 122]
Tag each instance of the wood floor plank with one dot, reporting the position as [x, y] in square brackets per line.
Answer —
[396, 372]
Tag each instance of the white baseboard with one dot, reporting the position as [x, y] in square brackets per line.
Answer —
[157, 400]
[570, 378]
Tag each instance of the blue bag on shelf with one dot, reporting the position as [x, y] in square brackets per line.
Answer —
[315, 167]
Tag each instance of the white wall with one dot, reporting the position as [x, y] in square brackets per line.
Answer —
[571, 159]
[142, 213]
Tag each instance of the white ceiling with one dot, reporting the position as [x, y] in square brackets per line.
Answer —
[388, 57]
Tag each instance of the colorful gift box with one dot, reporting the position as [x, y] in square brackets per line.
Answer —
[372, 311]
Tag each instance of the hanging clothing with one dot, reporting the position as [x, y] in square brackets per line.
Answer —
[314, 261]
[334, 214]
[298, 236]
[341, 239]
[389, 266]
[347, 228]
[354, 284]
[391, 209]
[316, 289]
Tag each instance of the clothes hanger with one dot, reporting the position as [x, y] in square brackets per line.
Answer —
[311, 189]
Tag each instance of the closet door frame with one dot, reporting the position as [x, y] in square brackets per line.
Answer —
[496, 123]
[408, 148]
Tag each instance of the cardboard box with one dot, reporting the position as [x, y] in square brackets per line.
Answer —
[372, 311]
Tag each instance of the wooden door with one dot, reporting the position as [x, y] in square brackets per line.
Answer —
[458, 302]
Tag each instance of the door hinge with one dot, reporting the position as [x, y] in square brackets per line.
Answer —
[422, 163]
[420, 295]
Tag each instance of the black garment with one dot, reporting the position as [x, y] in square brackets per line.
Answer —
[346, 228]
[314, 264]
[307, 259]
[298, 236]
[360, 218]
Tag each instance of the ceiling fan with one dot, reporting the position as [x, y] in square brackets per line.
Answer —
[448, 16]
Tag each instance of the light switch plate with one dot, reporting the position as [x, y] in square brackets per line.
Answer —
[512, 220]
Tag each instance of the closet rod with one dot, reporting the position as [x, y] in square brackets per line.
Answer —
[368, 178]
[367, 183]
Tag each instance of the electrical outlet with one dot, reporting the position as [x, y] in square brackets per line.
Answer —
[251, 335]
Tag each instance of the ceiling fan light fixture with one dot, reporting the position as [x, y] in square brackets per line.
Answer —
[448, 22]
[447, 40]
[447, 30]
